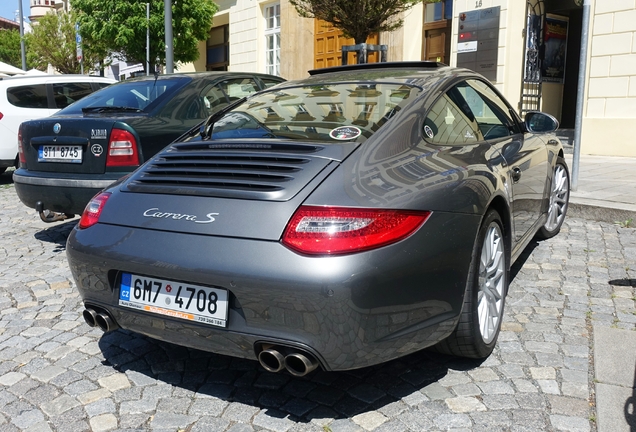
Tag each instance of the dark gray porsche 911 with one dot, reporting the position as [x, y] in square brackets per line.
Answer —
[339, 221]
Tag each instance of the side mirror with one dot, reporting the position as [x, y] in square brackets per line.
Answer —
[536, 121]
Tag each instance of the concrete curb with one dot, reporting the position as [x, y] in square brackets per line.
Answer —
[600, 213]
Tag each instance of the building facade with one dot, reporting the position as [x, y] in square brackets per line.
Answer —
[529, 49]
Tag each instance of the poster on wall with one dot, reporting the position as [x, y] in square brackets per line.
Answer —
[555, 42]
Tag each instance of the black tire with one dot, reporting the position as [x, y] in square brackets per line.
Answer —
[2, 170]
[559, 198]
[468, 340]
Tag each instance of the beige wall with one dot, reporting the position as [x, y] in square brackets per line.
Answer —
[297, 43]
[552, 99]
[610, 109]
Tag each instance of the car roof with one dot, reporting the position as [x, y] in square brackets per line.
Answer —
[50, 78]
[418, 73]
[199, 75]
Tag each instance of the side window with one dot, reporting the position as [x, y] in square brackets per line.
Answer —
[29, 96]
[67, 93]
[490, 110]
[268, 82]
[239, 88]
[214, 98]
[220, 95]
[450, 121]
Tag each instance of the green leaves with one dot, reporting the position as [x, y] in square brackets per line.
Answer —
[357, 18]
[10, 51]
[119, 27]
[52, 41]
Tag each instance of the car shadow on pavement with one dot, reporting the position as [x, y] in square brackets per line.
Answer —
[57, 233]
[520, 262]
[6, 178]
[318, 395]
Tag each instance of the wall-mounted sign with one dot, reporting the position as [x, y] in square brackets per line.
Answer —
[478, 41]
[464, 47]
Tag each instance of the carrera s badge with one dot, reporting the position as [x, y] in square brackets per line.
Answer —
[155, 213]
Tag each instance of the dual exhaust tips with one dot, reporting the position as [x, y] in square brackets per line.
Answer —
[101, 319]
[296, 362]
[271, 357]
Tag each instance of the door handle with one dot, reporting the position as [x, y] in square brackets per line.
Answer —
[516, 174]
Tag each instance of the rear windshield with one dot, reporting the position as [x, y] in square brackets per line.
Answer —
[329, 112]
[142, 95]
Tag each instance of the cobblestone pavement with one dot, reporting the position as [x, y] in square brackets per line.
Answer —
[57, 374]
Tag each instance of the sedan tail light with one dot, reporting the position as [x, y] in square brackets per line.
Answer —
[122, 149]
[339, 230]
[21, 154]
[93, 210]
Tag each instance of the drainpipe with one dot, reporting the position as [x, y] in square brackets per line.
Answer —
[580, 94]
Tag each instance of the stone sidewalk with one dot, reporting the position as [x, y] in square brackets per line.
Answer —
[607, 192]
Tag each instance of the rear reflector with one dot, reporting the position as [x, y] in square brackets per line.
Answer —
[122, 149]
[339, 230]
[21, 154]
[93, 210]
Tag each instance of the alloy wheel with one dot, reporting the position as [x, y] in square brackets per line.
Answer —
[492, 271]
[558, 198]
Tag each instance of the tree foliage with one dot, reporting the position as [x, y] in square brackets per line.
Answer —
[10, 51]
[52, 41]
[121, 27]
[356, 18]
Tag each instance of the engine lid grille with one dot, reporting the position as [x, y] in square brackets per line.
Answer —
[264, 171]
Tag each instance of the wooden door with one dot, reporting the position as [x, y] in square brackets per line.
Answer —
[328, 42]
[435, 45]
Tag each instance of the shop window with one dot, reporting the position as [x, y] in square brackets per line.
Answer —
[218, 49]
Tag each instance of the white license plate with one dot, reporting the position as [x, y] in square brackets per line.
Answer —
[176, 299]
[60, 153]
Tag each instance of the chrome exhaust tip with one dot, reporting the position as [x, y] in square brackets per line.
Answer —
[272, 360]
[105, 322]
[90, 316]
[299, 364]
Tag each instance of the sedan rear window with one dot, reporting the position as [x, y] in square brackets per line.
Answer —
[140, 96]
[341, 112]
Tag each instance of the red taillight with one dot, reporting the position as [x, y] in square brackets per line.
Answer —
[93, 210]
[122, 149]
[21, 154]
[1, 115]
[339, 230]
